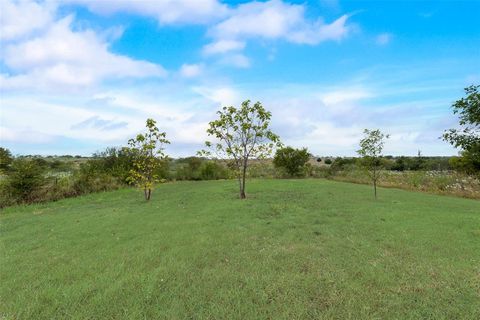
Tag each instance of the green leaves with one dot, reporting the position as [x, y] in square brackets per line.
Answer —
[468, 136]
[241, 134]
[371, 147]
[147, 151]
[372, 144]
[468, 110]
[292, 160]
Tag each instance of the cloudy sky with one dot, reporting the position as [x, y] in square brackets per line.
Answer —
[77, 76]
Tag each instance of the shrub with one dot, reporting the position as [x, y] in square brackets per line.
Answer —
[92, 179]
[196, 168]
[41, 162]
[5, 196]
[468, 162]
[291, 160]
[6, 159]
[321, 172]
[343, 163]
[188, 168]
[25, 180]
[261, 169]
[211, 170]
[116, 162]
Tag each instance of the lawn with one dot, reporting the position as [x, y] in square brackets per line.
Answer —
[295, 249]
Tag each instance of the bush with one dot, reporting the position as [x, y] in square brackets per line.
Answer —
[468, 162]
[291, 160]
[6, 159]
[188, 168]
[5, 196]
[116, 162]
[92, 178]
[42, 163]
[437, 164]
[261, 169]
[343, 163]
[211, 170]
[24, 181]
[195, 168]
[321, 172]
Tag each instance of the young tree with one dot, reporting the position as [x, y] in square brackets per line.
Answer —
[292, 160]
[147, 151]
[371, 147]
[242, 134]
[467, 138]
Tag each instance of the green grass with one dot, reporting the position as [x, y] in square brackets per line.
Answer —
[295, 249]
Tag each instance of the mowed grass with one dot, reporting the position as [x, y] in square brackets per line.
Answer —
[295, 249]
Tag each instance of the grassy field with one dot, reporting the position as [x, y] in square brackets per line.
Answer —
[295, 249]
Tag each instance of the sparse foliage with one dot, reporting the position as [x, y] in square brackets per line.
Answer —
[371, 147]
[241, 134]
[147, 151]
[467, 137]
[292, 160]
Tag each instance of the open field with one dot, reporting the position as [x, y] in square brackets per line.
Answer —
[295, 249]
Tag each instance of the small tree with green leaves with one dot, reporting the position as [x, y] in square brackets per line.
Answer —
[241, 134]
[291, 160]
[147, 152]
[467, 137]
[371, 147]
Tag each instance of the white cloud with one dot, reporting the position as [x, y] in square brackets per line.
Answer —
[220, 95]
[270, 20]
[20, 18]
[100, 123]
[117, 116]
[319, 32]
[275, 19]
[24, 135]
[223, 46]
[191, 70]
[165, 11]
[175, 115]
[332, 138]
[60, 58]
[237, 60]
[383, 39]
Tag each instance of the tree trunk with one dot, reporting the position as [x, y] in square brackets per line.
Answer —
[242, 192]
[242, 184]
[147, 193]
[375, 188]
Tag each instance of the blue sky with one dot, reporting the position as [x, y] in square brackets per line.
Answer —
[77, 76]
